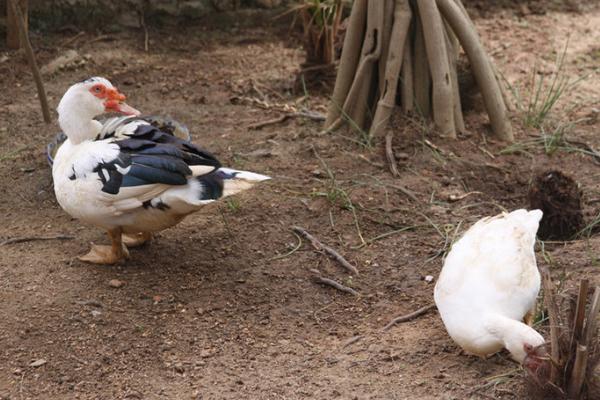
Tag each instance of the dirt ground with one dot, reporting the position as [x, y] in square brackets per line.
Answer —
[224, 306]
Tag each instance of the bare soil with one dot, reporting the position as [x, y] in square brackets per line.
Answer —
[223, 306]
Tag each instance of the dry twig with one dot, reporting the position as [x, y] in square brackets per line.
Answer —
[408, 317]
[35, 238]
[315, 116]
[337, 285]
[16, 9]
[404, 190]
[328, 250]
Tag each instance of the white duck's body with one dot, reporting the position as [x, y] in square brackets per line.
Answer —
[489, 282]
[130, 177]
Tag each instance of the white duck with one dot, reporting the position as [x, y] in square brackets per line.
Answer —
[489, 283]
[129, 177]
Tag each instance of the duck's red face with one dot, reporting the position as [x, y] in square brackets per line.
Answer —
[114, 101]
[537, 363]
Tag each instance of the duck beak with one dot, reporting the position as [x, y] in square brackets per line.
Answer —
[116, 103]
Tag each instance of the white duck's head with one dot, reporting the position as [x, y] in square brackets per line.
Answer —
[527, 347]
[88, 99]
[522, 341]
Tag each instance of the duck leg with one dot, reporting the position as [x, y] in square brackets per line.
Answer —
[136, 239]
[108, 254]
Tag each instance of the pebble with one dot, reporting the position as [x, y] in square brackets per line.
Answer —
[38, 363]
[116, 283]
[429, 279]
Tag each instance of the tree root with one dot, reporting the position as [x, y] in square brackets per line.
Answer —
[414, 52]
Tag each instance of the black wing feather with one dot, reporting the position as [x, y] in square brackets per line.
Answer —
[151, 156]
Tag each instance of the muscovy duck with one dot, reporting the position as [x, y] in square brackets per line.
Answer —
[128, 176]
[489, 283]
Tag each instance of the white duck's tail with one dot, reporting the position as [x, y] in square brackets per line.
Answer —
[226, 181]
[529, 220]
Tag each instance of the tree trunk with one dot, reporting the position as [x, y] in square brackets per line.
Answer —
[13, 40]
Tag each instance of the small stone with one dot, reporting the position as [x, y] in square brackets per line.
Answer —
[95, 313]
[317, 172]
[429, 279]
[402, 156]
[206, 353]
[116, 283]
[38, 363]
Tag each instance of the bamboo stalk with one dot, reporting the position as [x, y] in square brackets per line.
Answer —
[349, 60]
[550, 303]
[480, 64]
[578, 372]
[31, 59]
[590, 325]
[437, 54]
[579, 313]
[385, 106]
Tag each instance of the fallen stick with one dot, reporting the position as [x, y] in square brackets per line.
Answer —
[352, 340]
[315, 116]
[407, 192]
[321, 247]
[34, 238]
[72, 39]
[334, 284]
[145, 28]
[408, 317]
[262, 124]
[16, 9]
[389, 154]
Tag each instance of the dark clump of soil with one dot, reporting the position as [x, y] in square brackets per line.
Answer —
[559, 198]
